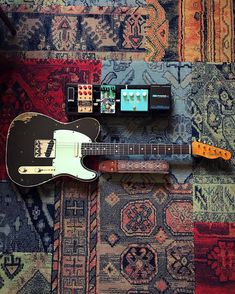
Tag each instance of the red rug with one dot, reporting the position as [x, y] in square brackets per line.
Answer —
[38, 85]
[214, 257]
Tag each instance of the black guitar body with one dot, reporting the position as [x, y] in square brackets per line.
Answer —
[28, 127]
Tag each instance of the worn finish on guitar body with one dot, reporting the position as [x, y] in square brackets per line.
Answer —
[25, 130]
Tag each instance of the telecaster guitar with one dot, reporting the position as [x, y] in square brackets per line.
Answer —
[40, 148]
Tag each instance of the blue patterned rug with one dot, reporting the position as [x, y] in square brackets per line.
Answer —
[213, 109]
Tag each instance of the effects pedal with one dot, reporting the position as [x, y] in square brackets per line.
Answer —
[85, 99]
[107, 99]
[160, 97]
[134, 99]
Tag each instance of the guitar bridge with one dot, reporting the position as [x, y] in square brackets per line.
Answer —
[44, 148]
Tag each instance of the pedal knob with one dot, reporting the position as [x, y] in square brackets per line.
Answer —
[132, 96]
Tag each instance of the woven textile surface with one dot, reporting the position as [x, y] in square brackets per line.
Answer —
[201, 30]
[27, 217]
[134, 239]
[207, 30]
[214, 189]
[132, 233]
[214, 257]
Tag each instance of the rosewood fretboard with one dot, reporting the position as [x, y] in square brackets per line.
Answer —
[134, 149]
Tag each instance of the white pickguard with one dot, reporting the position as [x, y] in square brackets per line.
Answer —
[68, 158]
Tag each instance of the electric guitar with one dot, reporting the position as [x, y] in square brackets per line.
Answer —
[40, 148]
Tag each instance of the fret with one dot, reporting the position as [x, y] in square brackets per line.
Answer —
[135, 149]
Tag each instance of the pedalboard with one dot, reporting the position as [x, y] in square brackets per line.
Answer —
[96, 100]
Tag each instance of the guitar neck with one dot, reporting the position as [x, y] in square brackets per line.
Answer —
[134, 149]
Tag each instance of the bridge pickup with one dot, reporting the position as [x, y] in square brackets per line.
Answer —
[44, 148]
[36, 170]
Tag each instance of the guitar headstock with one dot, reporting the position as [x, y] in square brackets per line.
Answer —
[209, 151]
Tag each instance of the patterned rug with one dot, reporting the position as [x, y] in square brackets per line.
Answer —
[133, 235]
[111, 3]
[213, 108]
[77, 32]
[123, 234]
[214, 257]
[26, 238]
[122, 30]
[206, 29]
